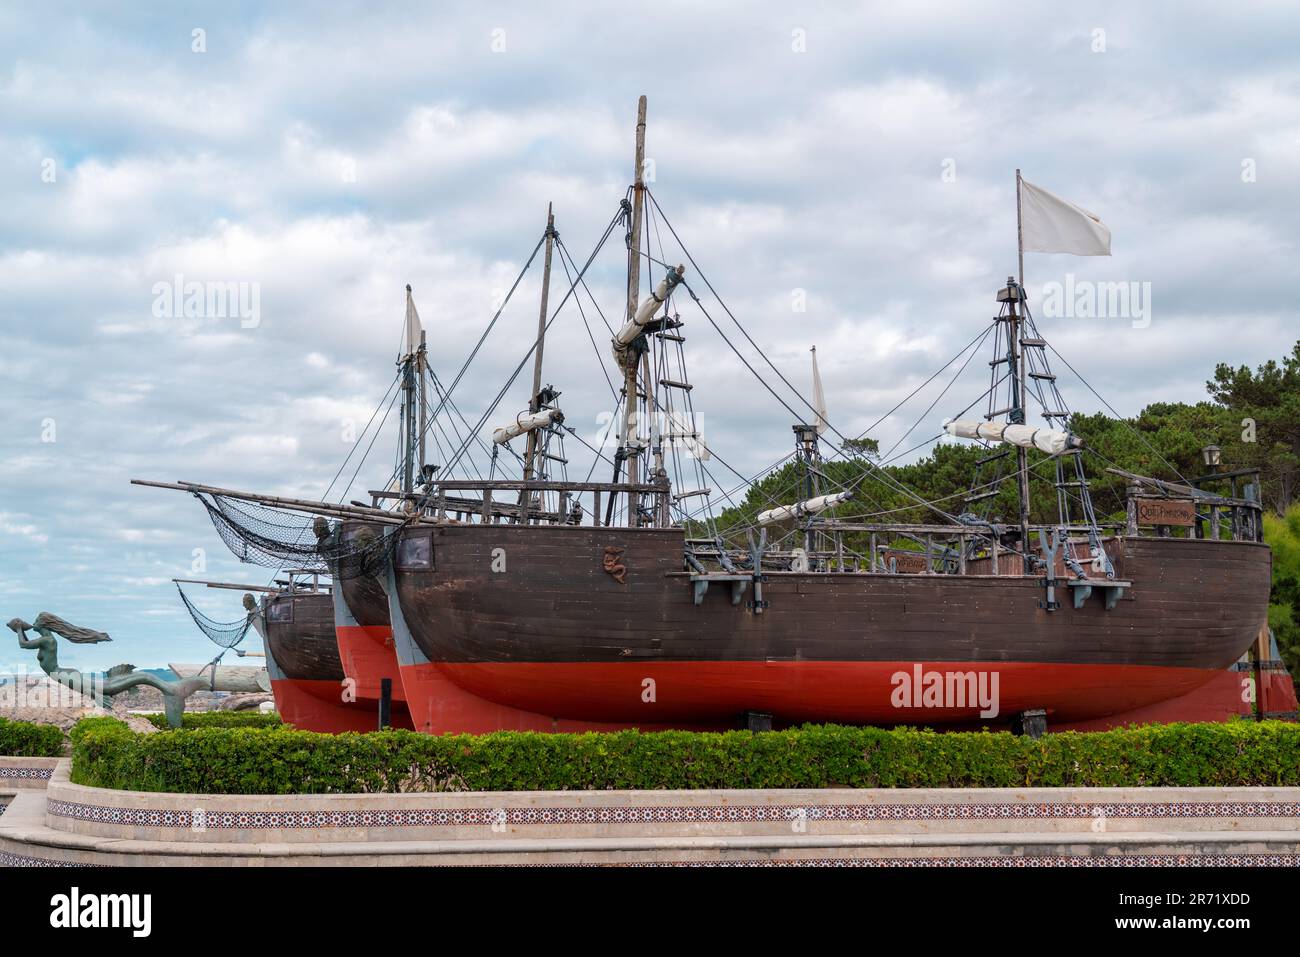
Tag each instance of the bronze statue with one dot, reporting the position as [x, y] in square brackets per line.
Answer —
[117, 679]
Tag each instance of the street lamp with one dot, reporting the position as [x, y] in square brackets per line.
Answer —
[1212, 456]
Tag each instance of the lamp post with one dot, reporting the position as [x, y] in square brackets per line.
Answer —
[1212, 455]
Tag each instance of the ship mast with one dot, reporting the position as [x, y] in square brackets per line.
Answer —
[1017, 415]
[421, 367]
[631, 432]
[535, 403]
[412, 389]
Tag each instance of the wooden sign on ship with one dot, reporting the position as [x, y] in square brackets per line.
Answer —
[1166, 511]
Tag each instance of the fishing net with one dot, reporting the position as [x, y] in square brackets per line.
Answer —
[276, 538]
[225, 634]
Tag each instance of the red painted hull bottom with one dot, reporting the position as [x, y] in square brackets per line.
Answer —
[1226, 696]
[368, 656]
[318, 706]
[476, 698]
[440, 706]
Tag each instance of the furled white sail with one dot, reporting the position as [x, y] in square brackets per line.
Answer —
[783, 513]
[819, 395]
[645, 312]
[526, 422]
[414, 330]
[1051, 441]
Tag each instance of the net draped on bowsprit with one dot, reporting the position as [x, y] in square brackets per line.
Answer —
[277, 538]
[224, 634]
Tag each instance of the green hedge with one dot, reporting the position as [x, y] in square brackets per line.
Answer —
[286, 761]
[23, 739]
[220, 719]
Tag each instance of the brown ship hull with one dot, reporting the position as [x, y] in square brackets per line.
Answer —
[365, 644]
[307, 674]
[554, 635]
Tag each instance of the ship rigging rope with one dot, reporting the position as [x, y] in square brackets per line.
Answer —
[487, 413]
[744, 483]
[600, 359]
[478, 440]
[743, 331]
[999, 480]
[352, 451]
[329, 488]
[1120, 418]
[373, 438]
[486, 332]
[780, 495]
[456, 435]
[446, 397]
[281, 549]
[950, 384]
[979, 337]
[839, 452]
[887, 479]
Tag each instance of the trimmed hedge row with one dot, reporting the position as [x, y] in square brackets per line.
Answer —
[220, 719]
[286, 761]
[23, 739]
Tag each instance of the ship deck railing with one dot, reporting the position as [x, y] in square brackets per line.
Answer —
[521, 504]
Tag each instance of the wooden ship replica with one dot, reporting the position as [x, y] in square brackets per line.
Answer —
[317, 683]
[536, 602]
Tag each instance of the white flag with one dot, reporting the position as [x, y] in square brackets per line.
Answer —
[1049, 224]
[413, 327]
[819, 396]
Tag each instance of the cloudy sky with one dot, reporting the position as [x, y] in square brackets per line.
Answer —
[323, 157]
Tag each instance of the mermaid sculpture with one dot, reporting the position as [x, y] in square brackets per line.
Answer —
[100, 688]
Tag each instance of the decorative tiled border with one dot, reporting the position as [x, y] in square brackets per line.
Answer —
[717, 814]
[26, 773]
[1134, 860]
[17, 860]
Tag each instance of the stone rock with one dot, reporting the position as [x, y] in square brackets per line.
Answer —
[65, 718]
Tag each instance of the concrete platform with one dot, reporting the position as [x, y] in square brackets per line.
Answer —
[74, 825]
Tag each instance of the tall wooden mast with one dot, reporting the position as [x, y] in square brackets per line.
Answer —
[410, 387]
[1016, 336]
[631, 432]
[421, 367]
[535, 404]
